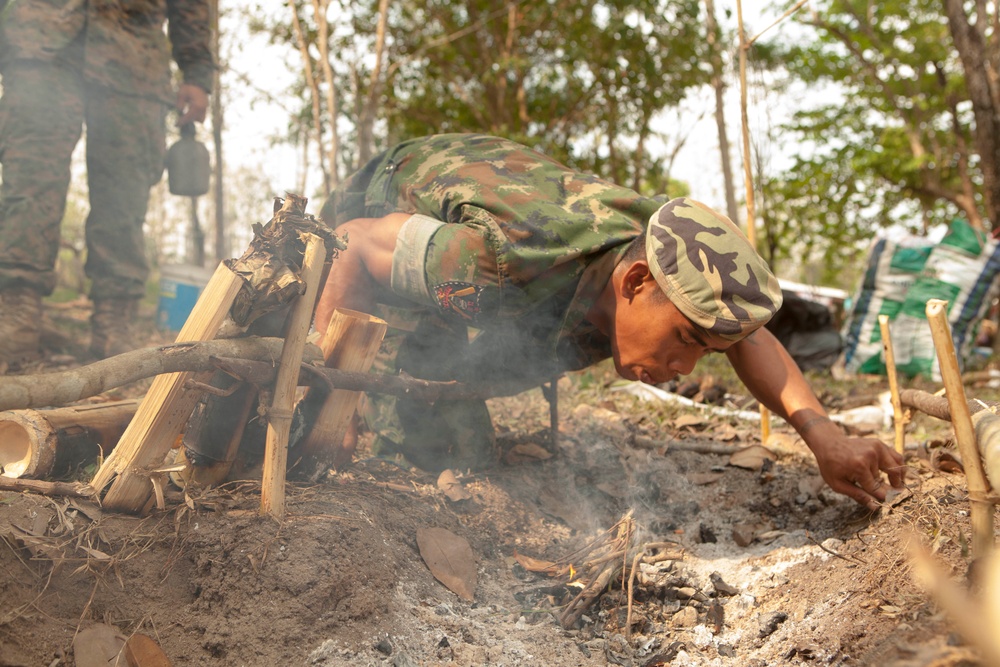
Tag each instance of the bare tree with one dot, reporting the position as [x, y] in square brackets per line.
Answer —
[719, 86]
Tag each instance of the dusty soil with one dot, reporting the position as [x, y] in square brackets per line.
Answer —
[761, 566]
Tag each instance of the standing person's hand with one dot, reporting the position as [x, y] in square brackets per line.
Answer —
[192, 104]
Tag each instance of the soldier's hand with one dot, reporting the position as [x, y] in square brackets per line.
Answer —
[192, 104]
[854, 467]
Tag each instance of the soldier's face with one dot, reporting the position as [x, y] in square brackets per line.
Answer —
[653, 342]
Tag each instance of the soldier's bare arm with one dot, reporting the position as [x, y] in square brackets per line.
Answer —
[851, 466]
[364, 265]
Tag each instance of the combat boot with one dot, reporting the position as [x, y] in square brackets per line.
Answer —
[112, 327]
[20, 325]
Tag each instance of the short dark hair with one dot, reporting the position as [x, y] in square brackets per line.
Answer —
[636, 251]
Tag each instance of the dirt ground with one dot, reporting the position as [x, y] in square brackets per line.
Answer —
[744, 566]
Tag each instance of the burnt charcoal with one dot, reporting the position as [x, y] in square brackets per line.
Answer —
[770, 622]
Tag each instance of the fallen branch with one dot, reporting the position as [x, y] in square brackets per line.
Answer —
[65, 387]
[937, 406]
[394, 385]
[78, 489]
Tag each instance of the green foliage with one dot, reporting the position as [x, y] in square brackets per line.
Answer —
[888, 142]
[582, 81]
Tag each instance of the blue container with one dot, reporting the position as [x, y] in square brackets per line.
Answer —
[180, 287]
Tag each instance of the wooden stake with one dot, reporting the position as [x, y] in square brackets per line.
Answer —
[351, 341]
[898, 420]
[166, 407]
[982, 509]
[272, 497]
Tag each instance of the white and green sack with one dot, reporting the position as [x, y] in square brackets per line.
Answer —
[901, 277]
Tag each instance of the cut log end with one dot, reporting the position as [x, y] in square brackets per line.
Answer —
[26, 450]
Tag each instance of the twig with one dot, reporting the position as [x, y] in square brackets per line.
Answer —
[76, 489]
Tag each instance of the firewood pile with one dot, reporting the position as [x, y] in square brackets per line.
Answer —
[239, 355]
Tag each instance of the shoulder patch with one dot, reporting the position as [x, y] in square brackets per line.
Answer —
[459, 298]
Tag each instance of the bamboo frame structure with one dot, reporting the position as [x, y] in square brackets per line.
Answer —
[272, 496]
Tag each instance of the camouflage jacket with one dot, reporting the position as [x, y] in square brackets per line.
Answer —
[558, 235]
[120, 44]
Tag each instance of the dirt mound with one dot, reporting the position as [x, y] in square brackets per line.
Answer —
[766, 566]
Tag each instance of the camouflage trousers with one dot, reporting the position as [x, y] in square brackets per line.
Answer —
[42, 111]
[433, 436]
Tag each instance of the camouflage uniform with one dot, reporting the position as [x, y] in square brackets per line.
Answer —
[105, 63]
[503, 256]
[526, 248]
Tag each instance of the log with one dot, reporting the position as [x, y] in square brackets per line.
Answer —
[279, 416]
[19, 392]
[34, 442]
[350, 343]
[166, 406]
[937, 406]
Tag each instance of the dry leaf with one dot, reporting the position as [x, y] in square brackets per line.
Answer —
[751, 458]
[526, 453]
[451, 487]
[689, 421]
[537, 565]
[703, 478]
[97, 646]
[725, 433]
[142, 651]
[450, 559]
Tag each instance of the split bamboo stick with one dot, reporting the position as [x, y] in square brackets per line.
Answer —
[898, 421]
[982, 508]
[272, 497]
[351, 341]
[166, 407]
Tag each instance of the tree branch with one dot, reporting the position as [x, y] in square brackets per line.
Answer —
[64, 387]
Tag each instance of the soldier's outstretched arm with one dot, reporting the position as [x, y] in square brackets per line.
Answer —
[365, 265]
[851, 466]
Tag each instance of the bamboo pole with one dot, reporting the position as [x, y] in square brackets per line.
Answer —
[898, 420]
[982, 508]
[765, 413]
[166, 407]
[351, 341]
[272, 497]
[33, 442]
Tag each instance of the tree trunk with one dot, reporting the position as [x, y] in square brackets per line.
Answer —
[718, 84]
[983, 92]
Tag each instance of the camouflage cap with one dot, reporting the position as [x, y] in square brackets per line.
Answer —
[709, 270]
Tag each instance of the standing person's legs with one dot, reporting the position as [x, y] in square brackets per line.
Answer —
[41, 114]
[125, 157]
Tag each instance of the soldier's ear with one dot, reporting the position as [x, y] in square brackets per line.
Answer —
[634, 279]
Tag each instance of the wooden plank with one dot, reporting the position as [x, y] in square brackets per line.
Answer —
[350, 343]
[166, 407]
[272, 496]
